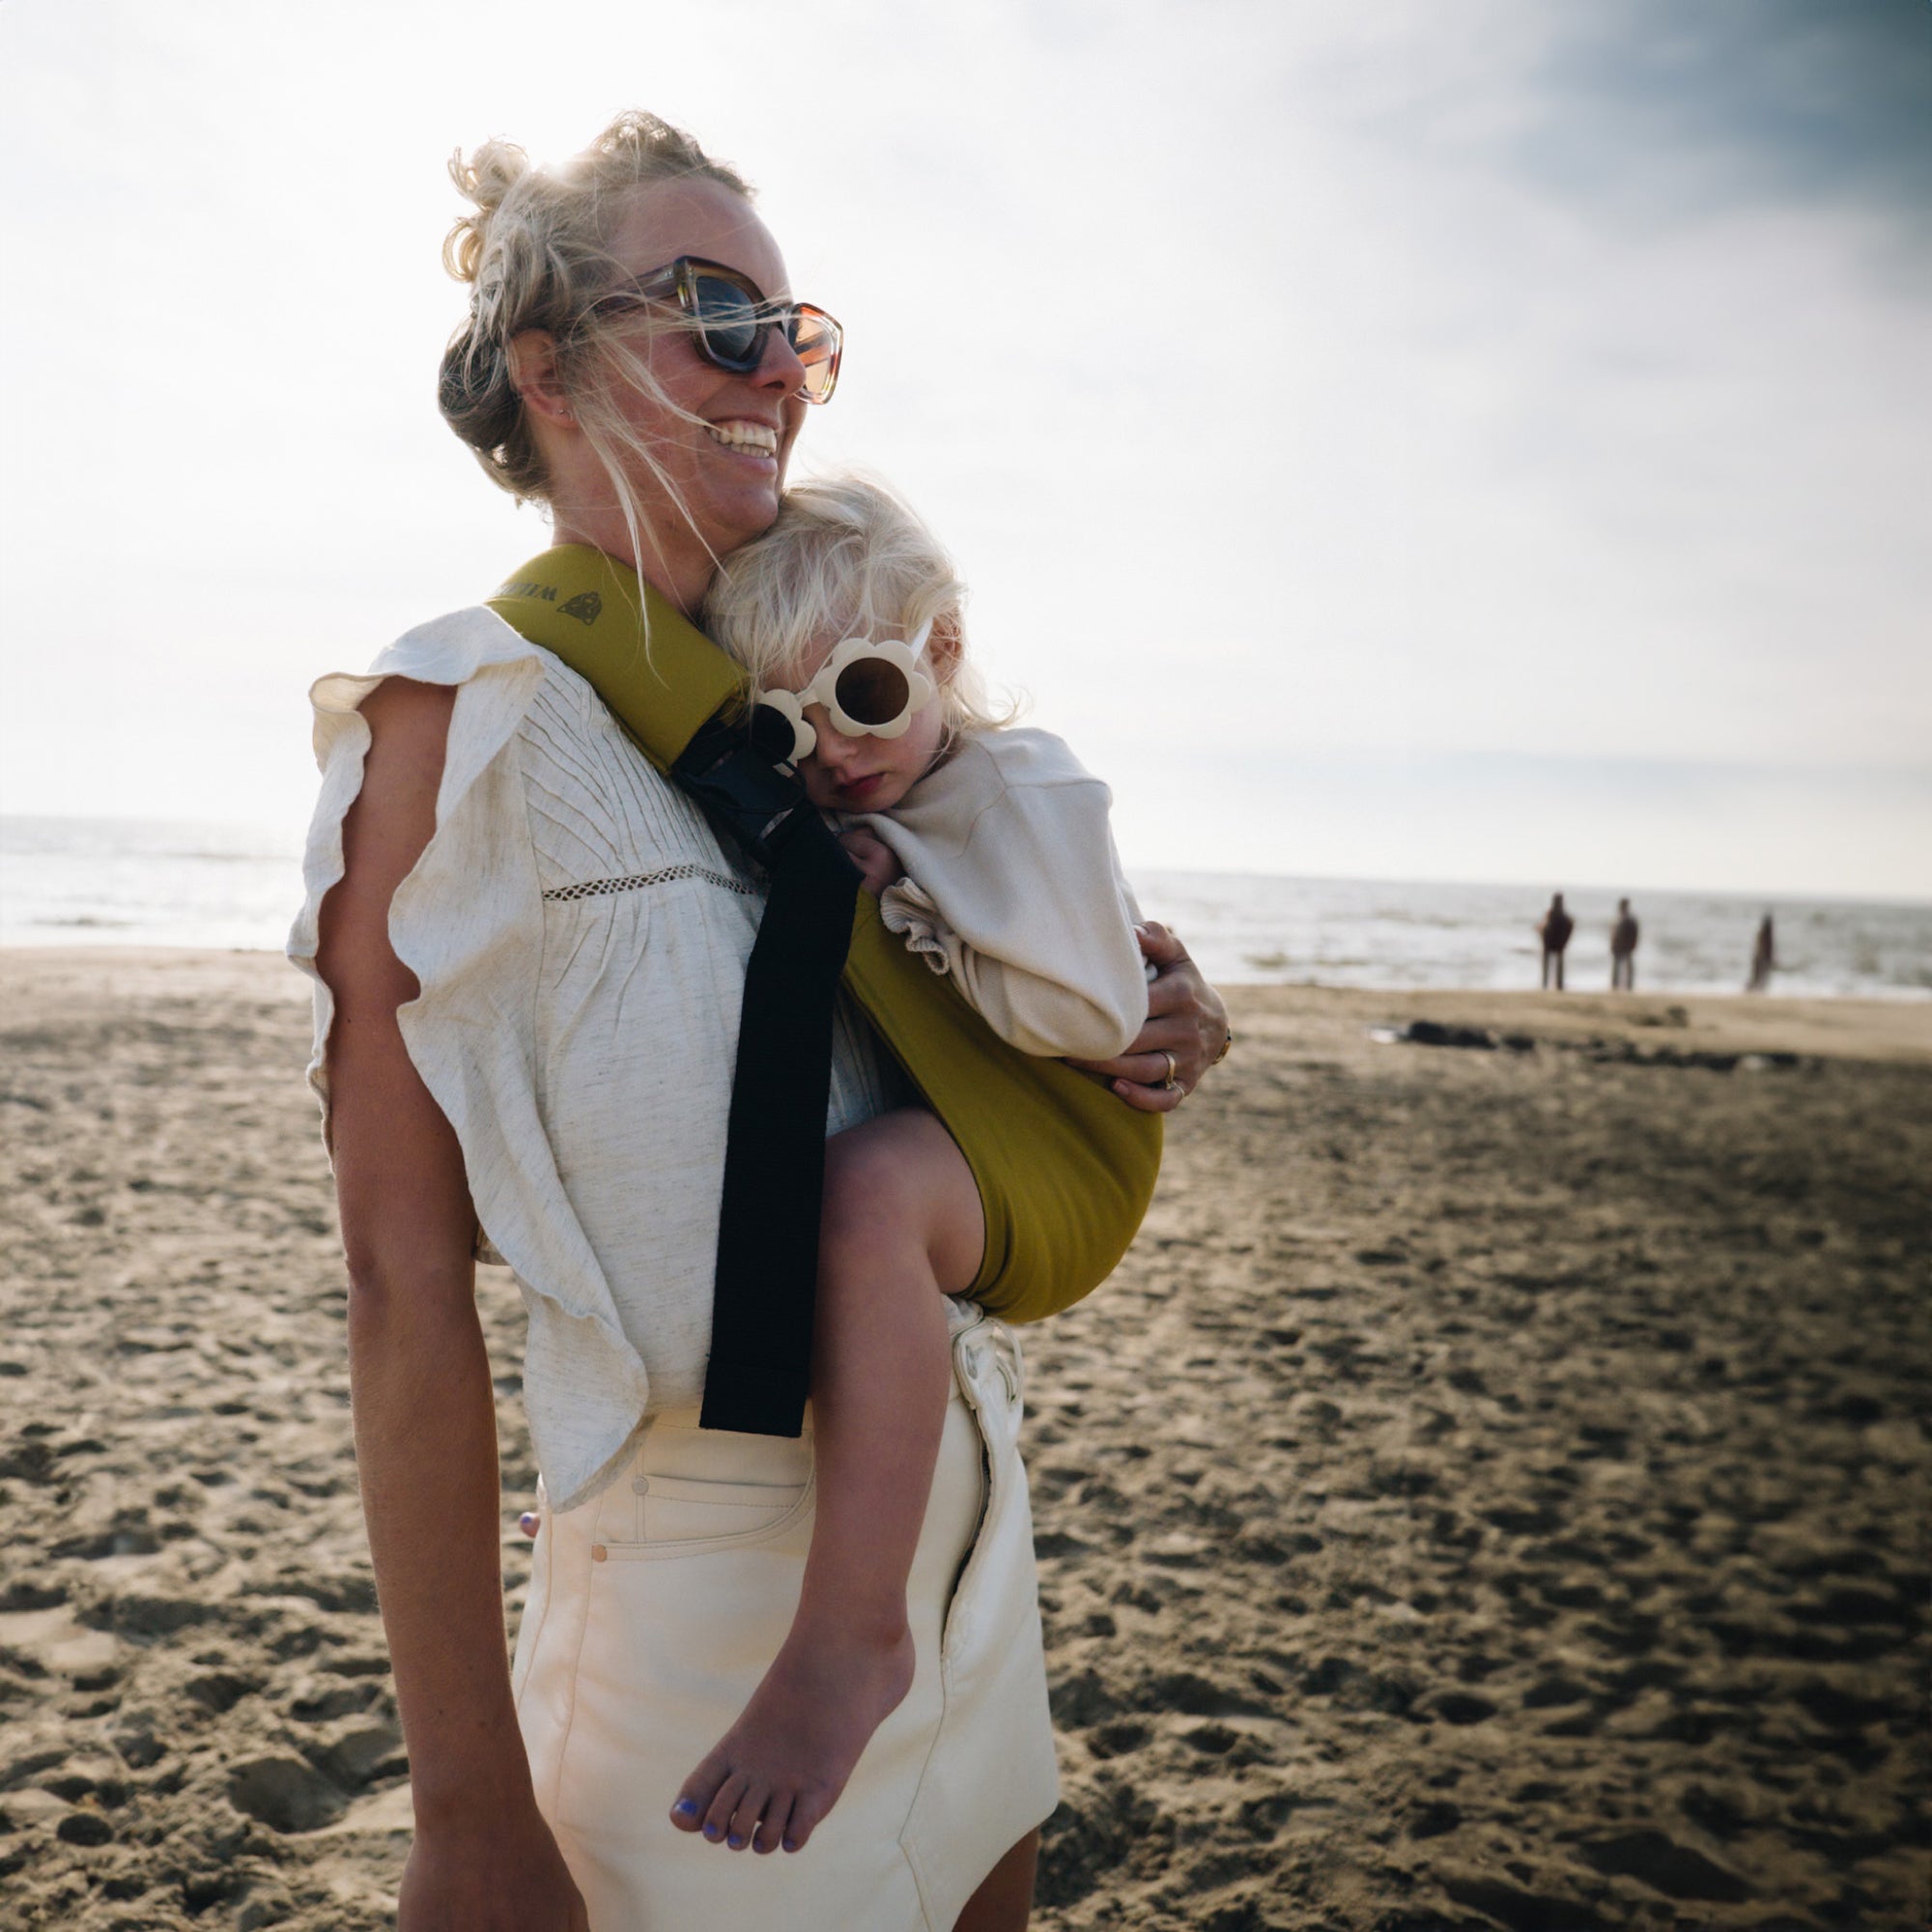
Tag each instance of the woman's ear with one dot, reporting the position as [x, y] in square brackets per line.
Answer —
[534, 373]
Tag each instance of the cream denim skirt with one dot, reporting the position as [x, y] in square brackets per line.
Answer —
[654, 1609]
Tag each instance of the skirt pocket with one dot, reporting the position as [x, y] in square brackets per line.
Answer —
[688, 1515]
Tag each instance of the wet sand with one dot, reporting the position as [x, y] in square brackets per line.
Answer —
[1491, 1496]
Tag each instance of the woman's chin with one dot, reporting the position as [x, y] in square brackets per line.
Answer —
[746, 508]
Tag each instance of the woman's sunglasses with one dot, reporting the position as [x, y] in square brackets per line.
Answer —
[728, 316]
[869, 689]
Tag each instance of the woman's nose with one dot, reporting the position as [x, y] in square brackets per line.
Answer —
[779, 367]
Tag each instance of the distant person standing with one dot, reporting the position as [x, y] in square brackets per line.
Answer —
[1554, 930]
[1623, 950]
[1764, 958]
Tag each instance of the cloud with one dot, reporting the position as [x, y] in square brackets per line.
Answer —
[1680, 111]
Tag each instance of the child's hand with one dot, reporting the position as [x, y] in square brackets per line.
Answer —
[873, 858]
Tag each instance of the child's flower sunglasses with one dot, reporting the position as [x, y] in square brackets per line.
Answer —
[868, 690]
[728, 316]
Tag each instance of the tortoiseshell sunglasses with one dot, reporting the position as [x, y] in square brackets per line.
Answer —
[727, 315]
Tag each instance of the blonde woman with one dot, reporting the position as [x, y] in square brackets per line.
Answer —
[528, 950]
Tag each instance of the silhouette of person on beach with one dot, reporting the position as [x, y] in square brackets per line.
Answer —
[1623, 950]
[1764, 958]
[1554, 930]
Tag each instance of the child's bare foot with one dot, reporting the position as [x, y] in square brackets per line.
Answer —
[779, 1769]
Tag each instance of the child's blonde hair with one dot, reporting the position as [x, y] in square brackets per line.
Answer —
[847, 558]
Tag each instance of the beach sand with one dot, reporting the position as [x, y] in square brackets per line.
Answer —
[1493, 1493]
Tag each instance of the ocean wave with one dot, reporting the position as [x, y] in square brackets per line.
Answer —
[157, 884]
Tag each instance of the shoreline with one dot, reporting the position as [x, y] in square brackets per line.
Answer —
[1893, 1028]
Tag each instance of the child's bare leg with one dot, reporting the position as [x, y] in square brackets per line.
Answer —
[901, 1227]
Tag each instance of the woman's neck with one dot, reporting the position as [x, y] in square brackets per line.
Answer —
[681, 572]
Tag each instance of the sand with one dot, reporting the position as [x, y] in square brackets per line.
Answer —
[1491, 1496]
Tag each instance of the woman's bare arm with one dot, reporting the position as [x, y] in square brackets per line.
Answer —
[1185, 1018]
[424, 1411]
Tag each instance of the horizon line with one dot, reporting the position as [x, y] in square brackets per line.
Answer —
[1908, 901]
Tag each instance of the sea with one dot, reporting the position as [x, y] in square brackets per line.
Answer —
[130, 882]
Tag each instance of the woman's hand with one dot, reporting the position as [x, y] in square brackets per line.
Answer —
[1186, 1031]
[512, 1879]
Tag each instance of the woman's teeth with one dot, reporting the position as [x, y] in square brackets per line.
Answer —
[745, 435]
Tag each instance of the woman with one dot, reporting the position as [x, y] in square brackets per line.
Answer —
[529, 953]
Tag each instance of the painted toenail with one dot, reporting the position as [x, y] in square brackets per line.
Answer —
[714, 1832]
[736, 1843]
[790, 1843]
[685, 1807]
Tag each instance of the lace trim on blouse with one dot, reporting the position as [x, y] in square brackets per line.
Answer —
[596, 888]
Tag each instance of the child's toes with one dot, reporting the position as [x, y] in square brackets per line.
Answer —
[718, 1819]
[770, 1831]
[695, 1797]
[808, 1811]
[751, 1809]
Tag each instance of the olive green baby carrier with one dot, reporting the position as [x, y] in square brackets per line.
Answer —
[1065, 1169]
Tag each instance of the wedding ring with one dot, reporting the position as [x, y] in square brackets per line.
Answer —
[1170, 1085]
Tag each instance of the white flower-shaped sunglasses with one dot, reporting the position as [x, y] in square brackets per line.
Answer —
[868, 689]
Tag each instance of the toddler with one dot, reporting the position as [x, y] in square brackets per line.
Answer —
[990, 852]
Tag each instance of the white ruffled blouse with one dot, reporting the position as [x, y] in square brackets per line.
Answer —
[579, 937]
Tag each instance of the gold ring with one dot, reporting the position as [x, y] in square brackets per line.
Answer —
[1170, 1085]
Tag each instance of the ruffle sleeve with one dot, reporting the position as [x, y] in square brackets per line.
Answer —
[467, 922]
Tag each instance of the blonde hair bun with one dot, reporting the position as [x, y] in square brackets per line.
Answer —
[486, 178]
[536, 254]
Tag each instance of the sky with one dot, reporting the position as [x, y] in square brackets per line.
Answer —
[1478, 441]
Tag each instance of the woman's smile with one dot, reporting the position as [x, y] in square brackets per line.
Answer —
[747, 437]
[723, 442]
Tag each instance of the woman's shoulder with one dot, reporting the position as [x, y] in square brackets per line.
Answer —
[407, 752]
[449, 651]
[592, 805]
[514, 748]
[467, 680]
[410, 713]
